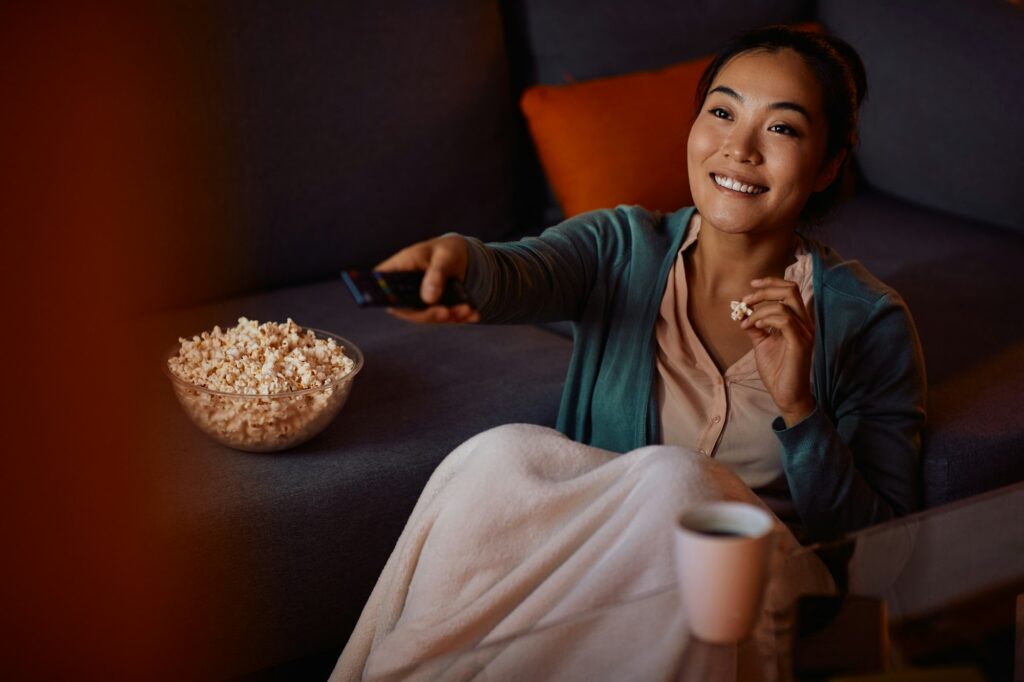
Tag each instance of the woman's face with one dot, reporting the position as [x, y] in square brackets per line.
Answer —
[756, 150]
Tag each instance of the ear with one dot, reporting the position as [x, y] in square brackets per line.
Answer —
[828, 172]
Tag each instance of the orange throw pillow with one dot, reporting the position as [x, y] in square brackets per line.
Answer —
[619, 140]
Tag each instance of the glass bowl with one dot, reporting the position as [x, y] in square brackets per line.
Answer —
[266, 423]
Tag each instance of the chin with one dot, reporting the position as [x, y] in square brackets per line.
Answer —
[730, 221]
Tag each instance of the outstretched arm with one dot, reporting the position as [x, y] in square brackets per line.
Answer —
[537, 279]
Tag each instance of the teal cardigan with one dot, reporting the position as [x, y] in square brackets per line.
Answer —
[852, 463]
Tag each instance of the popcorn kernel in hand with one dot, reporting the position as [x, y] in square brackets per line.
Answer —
[740, 310]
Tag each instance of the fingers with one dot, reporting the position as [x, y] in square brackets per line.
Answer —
[778, 308]
[415, 257]
[439, 259]
[776, 317]
[443, 265]
[773, 289]
[437, 314]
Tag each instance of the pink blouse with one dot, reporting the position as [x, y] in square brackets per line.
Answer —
[723, 415]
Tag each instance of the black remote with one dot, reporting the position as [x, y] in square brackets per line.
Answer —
[397, 289]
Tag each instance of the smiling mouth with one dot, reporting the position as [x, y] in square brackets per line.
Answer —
[737, 186]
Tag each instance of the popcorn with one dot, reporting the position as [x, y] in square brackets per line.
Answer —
[257, 368]
[740, 310]
[259, 359]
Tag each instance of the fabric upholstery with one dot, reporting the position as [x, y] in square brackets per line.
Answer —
[941, 125]
[961, 280]
[286, 547]
[345, 132]
[565, 41]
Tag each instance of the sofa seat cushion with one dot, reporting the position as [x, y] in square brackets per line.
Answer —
[283, 549]
[961, 279]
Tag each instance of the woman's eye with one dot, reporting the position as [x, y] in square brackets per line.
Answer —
[782, 128]
[718, 112]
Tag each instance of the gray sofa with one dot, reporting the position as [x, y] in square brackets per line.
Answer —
[340, 132]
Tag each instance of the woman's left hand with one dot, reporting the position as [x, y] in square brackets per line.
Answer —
[782, 332]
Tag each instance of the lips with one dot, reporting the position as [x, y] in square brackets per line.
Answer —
[741, 185]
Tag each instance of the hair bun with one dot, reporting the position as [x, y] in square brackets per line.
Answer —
[853, 62]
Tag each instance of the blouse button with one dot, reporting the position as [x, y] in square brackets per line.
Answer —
[702, 451]
[716, 419]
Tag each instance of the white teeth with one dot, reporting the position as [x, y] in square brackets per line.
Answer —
[737, 186]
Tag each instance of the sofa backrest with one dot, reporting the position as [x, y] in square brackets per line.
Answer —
[340, 132]
[343, 132]
[942, 125]
[559, 41]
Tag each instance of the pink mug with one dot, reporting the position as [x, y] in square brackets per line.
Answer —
[723, 550]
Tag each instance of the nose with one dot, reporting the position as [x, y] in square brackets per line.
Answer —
[742, 146]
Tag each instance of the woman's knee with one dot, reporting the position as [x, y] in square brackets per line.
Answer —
[669, 457]
[500, 443]
[663, 463]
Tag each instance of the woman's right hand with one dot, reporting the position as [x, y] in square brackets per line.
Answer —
[439, 259]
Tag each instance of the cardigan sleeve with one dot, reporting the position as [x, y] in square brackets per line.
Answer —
[860, 466]
[537, 279]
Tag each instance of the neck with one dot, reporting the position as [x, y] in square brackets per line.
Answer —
[723, 264]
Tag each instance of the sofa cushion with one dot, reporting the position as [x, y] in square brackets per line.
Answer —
[284, 548]
[961, 280]
[941, 125]
[618, 140]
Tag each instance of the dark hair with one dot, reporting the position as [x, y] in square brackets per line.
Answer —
[840, 72]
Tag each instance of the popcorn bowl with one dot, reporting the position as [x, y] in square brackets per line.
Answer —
[266, 422]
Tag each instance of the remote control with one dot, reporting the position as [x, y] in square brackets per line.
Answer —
[397, 289]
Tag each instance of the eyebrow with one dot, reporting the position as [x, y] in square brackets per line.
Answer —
[789, 106]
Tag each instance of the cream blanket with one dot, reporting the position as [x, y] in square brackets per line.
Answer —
[520, 526]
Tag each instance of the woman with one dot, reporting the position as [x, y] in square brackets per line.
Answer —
[814, 401]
